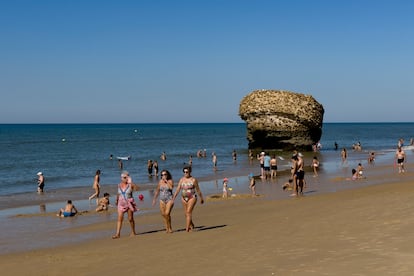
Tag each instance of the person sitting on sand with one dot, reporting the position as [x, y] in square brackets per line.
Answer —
[354, 175]
[360, 170]
[103, 203]
[69, 210]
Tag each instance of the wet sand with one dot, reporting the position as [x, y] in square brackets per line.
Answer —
[363, 230]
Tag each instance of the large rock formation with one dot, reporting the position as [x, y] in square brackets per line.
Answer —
[279, 119]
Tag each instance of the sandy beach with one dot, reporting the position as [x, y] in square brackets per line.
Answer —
[359, 231]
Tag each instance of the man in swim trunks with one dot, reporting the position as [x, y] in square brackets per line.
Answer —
[400, 156]
[273, 167]
[266, 166]
[300, 175]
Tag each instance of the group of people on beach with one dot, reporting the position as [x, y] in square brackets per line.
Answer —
[268, 165]
[187, 186]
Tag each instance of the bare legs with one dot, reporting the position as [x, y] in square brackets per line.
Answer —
[119, 224]
[96, 194]
[188, 211]
[165, 209]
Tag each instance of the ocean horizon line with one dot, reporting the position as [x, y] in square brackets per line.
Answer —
[186, 123]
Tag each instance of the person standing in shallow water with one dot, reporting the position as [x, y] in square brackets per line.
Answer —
[344, 156]
[165, 191]
[214, 161]
[150, 166]
[188, 186]
[400, 156]
[125, 203]
[40, 182]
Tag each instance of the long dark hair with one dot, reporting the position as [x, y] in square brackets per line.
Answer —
[169, 176]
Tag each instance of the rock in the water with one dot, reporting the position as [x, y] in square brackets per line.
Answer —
[279, 119]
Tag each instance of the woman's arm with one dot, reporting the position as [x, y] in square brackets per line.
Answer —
[195, 182]
[157, 191]
[177, 190]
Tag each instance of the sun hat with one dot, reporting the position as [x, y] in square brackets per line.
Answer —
[262, 153]
[39, 173]
[225, 179]
[300, 154]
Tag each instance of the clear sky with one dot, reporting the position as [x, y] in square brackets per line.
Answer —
[151, 61]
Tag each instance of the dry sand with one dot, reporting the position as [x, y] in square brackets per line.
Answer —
[364, 231]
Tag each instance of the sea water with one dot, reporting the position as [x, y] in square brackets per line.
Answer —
[69, 154]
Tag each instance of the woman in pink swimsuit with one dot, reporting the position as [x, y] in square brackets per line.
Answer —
[125, 203]
[188, 186]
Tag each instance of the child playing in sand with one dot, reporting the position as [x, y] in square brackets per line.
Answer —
[252, 184]
[288, 185]
[103, 203]
[355, 175]
[225, 193]
[69, 210]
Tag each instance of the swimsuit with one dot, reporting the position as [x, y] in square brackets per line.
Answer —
[68, 214]
[300, 174]
[188, 191]
[166, 194]
[125, 200]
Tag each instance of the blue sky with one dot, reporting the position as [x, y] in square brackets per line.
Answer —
[193, 61]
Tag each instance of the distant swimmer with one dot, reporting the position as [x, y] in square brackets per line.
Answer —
[163, 156]
[40, 182]
[234, 155]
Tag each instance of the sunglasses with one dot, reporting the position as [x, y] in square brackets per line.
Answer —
[164, 174]
[186, 171]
